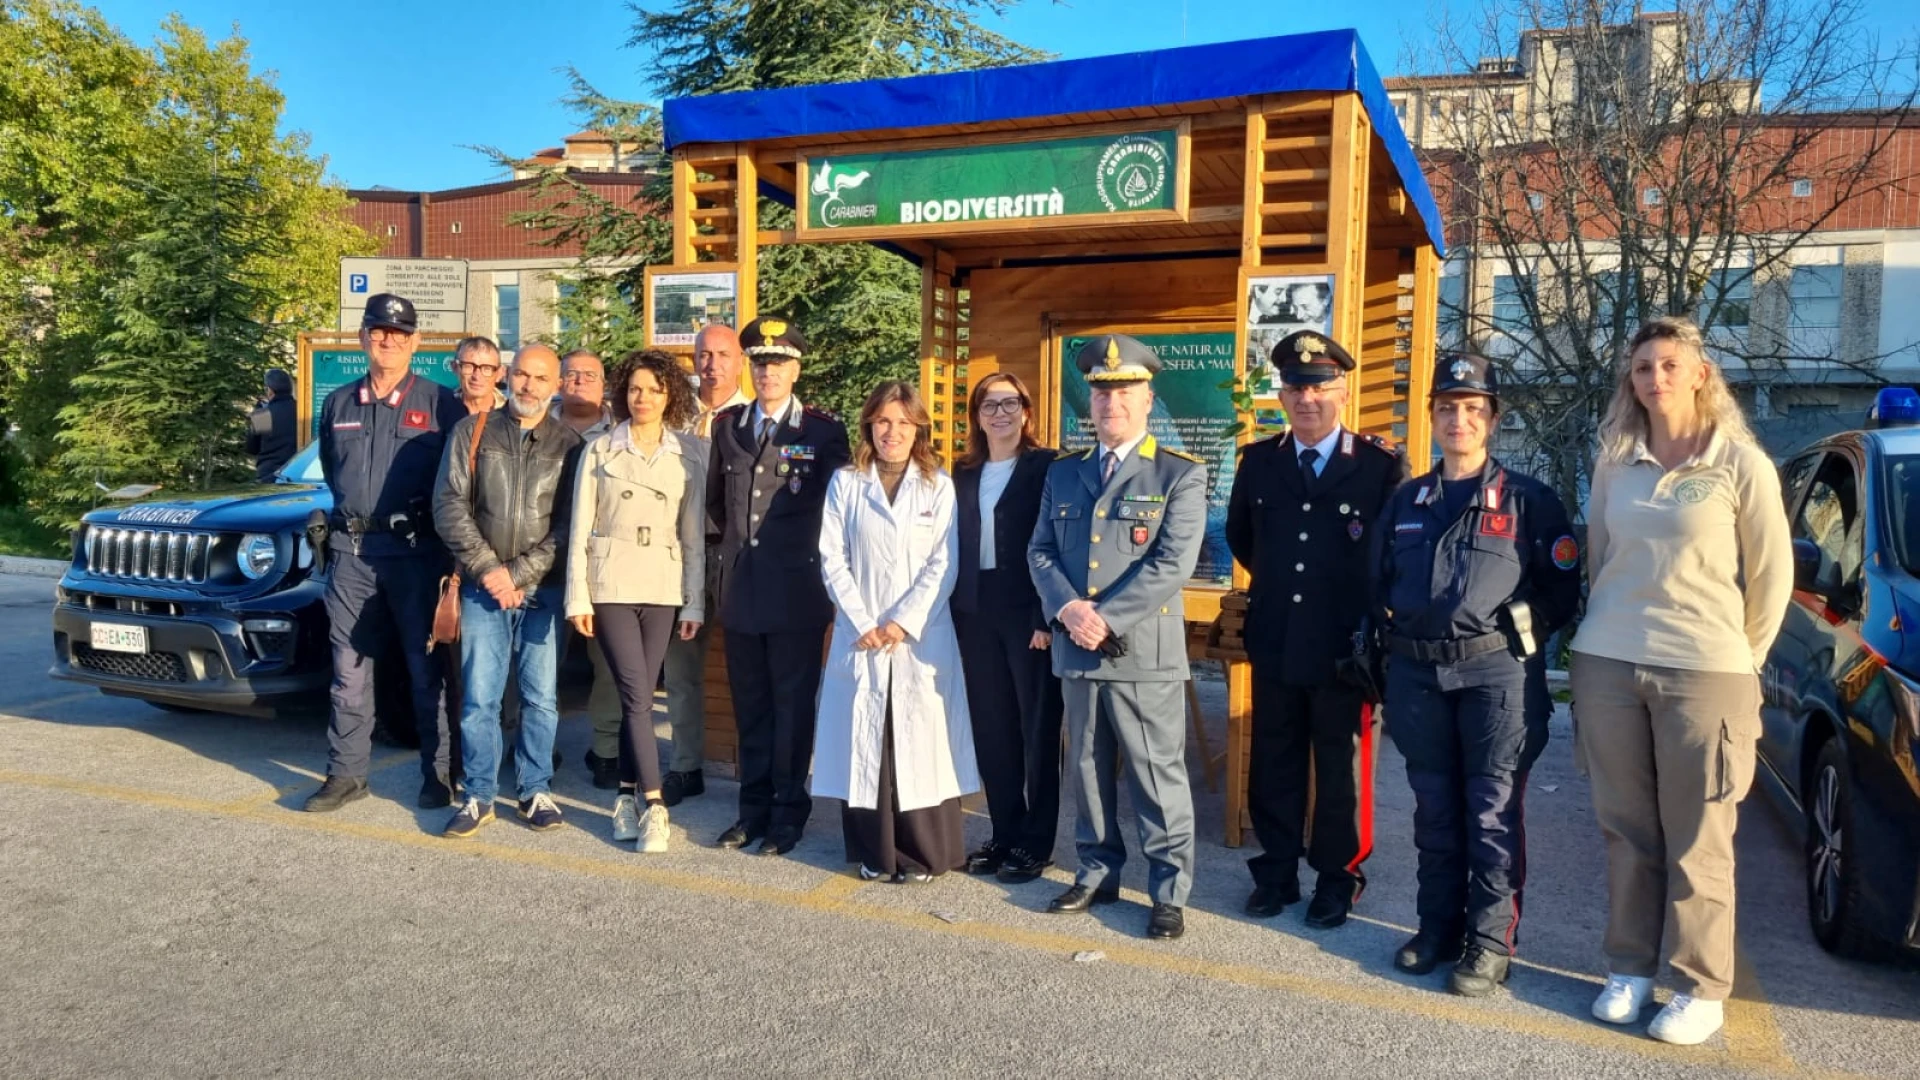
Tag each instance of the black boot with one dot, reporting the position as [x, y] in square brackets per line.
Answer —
[1479, 971]
[337, 792]
[436, 792]
[1428, 950]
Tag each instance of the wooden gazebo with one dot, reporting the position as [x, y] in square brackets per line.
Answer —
[1205, 198]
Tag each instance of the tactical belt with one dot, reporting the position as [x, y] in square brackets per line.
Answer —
[359, 525]
[1450, 651]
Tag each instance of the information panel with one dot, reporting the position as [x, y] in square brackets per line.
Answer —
[334, 368]
[913, 192]
[1192, 412]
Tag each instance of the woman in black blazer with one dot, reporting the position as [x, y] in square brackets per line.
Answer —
[1004, 638]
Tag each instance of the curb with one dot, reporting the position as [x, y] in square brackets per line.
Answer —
[42, 568]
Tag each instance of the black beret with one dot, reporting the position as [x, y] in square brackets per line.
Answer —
[391, 312]
[1464, 373]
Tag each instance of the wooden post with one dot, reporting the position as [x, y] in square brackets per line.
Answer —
[1347, 184]
[683, 177]
[1426, 310]
[746, 235]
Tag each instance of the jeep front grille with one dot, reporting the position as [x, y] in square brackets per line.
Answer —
[148, 554]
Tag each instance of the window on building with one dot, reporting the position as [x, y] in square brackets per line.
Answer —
[506, 316]
[1650, 196]
[1727, 300]
[1503, 104]
[1535, 200]
[1607, 296]
[1814, 295]
[566, 291]
[393, 230]
[1453, 311]
[1803, 189]
[1509, 303]
[456, 226]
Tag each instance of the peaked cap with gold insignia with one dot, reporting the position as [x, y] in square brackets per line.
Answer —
[1309, 357]
[1110, 359]
[769, 340]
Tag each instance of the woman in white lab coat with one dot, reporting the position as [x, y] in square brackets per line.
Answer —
[894, 740]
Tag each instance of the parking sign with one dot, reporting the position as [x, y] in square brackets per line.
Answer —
[357, 283]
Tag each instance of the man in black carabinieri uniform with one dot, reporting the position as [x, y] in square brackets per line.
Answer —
[766, 487]
[1300, 519]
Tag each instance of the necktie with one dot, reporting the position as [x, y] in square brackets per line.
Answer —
[1107, 467]
[766, 431]
[1308, 458]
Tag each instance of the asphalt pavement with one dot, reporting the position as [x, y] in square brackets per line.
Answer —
[170, 912]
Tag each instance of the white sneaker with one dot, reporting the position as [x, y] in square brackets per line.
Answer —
[1623, 998]
[1687, 1020]
[626, 819]
[653, 830]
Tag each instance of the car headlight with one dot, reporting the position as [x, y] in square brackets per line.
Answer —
[257, 554]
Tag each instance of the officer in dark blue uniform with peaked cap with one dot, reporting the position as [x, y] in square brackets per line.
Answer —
[1300, 519]
[1477, 566]
[381, 437]
[767, 488]
[1119, 534]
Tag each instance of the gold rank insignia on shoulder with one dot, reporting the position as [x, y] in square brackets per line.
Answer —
[772, 328]
[1308, 345]
[1113, 354]
[1184, 455]
[1062, 455]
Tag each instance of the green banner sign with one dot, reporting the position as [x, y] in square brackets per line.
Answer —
[1022, 181]
[1192, 412]
[334, 368]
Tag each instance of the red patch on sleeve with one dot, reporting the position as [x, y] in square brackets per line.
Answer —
[414, 418]
[1496, 525]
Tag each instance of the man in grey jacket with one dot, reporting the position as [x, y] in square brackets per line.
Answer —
[1119, 534]
[502, 505]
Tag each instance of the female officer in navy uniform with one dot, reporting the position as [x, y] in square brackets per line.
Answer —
[1477, 566]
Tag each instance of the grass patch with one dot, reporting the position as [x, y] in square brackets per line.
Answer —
[21, 535]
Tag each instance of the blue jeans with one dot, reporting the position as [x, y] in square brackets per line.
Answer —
[491, 638]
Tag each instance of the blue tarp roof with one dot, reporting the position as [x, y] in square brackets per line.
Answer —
[1331, 60]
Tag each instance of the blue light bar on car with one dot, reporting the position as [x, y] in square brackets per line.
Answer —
[1895, 406]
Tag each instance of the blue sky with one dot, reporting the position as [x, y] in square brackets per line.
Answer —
[392, 92]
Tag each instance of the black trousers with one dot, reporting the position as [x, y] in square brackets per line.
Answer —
[1331, 726]
[775, 680]
[634, 638]
[1016, 706]
[369, 600]
[1468, 752]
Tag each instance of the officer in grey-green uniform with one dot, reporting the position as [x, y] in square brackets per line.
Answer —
[1120, 531]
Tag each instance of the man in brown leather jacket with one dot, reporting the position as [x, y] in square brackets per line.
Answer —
[502, 505]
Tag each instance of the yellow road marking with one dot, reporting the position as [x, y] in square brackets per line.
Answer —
[837, 889]
[833, 896]
[1753, 1039]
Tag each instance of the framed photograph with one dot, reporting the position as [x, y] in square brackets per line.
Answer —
[681, 300]
[1278, 305]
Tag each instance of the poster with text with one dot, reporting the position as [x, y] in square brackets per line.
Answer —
[1192, 412]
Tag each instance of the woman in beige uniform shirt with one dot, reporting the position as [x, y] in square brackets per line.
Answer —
[1689, 569]
[637, 557]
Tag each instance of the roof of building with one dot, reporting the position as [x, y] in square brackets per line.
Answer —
[1332, 60]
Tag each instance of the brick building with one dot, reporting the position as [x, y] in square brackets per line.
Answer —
[514, 280]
